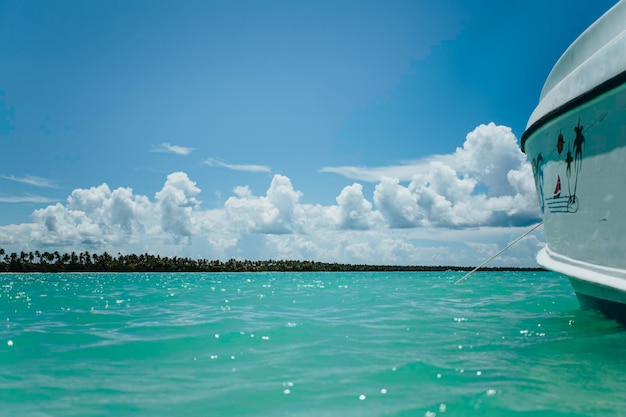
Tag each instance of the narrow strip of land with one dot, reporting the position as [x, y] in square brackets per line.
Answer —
[87, 262]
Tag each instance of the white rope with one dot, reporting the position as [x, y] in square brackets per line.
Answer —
[497, 254]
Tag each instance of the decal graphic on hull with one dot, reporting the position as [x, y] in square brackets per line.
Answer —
[563, 200]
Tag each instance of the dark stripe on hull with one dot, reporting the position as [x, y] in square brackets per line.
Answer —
[573, 103]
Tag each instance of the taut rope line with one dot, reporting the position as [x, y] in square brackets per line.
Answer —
[497, 254]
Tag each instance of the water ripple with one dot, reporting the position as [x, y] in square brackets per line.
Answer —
[278, 344]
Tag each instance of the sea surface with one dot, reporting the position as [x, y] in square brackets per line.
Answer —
[305, 344]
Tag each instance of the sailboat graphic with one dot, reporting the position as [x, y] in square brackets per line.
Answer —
[558, 204]
[569, 202]
[557, 189]
[562, 204]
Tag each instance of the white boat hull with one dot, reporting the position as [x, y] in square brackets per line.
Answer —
[576, 141]
[579, 163]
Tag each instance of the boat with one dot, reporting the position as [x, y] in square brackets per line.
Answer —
[575, 140]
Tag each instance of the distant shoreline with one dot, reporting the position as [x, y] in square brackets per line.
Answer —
[32, 262]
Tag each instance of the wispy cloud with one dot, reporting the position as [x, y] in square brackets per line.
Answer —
[168, 148]
[403, 171]
[237, 167]
[31, 180]
[26, 199]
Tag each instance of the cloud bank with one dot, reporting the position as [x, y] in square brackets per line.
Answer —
[432, 217]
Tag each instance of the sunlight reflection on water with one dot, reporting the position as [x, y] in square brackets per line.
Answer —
[375, 344]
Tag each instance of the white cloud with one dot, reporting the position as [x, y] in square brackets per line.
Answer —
[355, 212]
[60, 225]
[167, 148]
[454, 210]
[403, 172]
[96, 216]
[416, 246]
[485, 182]
[397, 203]
[272, 213]
[489, 153]
[237, 167]
[28, 198]
[175, 203]
[31, 180]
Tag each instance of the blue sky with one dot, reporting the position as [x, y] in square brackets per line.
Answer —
[341, 131]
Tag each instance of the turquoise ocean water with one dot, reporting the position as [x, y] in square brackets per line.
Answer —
[305, 344]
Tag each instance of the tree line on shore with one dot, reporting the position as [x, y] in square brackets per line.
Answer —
[92, 262]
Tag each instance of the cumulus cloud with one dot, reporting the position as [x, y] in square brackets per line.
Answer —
[237, 167]
[94, 216]
[396, 203]
[99, 217]
[431, 218]
[176, 202]
[354, 211]
[167, 148]
[272, 213]
[486, 182]
[60, 225]
[489, 153]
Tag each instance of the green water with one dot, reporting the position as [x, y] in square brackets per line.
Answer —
[309, 344]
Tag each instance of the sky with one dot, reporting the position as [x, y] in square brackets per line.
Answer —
[369, 132]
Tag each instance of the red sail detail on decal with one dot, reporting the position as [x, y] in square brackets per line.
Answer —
[557, 189]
